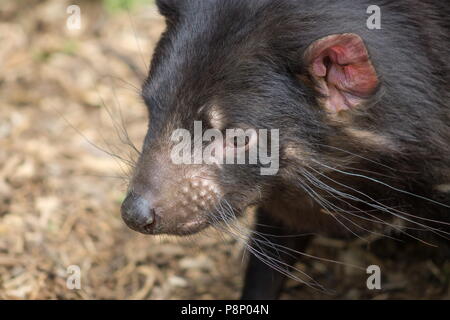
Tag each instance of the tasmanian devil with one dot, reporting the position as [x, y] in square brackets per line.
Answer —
[356, 120]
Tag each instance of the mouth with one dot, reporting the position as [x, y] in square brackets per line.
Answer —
[191, 227]
[180, 229]
[163, 224]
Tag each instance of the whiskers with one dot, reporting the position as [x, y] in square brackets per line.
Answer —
[348, 202]
[362, 214]
[125, 153]
[268, 252]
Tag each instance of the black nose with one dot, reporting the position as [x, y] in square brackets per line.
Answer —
[138, 213]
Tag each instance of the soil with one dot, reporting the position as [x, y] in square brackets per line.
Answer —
[66, 97]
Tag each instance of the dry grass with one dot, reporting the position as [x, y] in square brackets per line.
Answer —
[60, 195]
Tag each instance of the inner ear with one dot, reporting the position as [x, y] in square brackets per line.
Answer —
[342, 71]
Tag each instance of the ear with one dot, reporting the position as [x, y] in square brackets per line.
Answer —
[342, 71]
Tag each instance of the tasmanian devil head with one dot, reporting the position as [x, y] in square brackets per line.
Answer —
[243, 97]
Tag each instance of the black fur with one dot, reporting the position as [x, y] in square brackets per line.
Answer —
[247, 57]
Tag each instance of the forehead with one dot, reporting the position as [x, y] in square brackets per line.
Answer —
[225, 53]
[204, 31]
[211, 42]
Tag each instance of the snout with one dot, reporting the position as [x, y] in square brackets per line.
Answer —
[138, 213]
[183, 209]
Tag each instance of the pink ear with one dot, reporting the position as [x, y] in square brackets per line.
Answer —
[342, 69]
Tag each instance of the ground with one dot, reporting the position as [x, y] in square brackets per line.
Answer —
[65, 97]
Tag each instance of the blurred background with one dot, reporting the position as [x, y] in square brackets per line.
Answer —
[66, 98]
